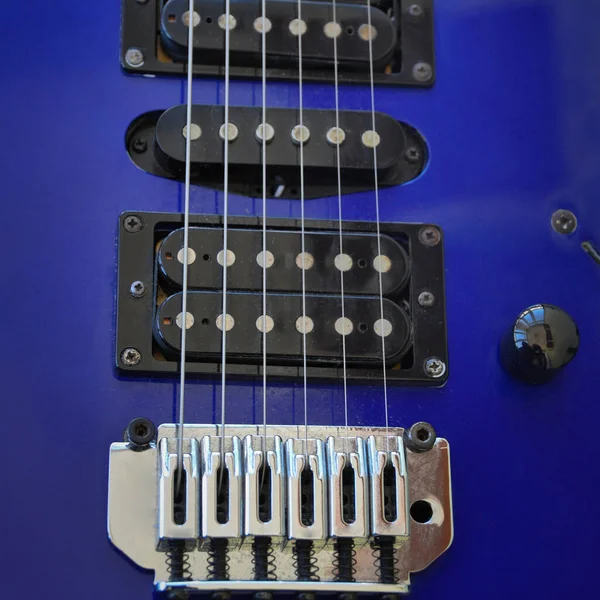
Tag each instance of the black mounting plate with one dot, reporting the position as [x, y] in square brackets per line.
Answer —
[413, 61]
[135, 315]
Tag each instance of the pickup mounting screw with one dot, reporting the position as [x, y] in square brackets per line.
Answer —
[137, 289]
[414, 10]
[139, 145]
[412, 154]
[435, 367]
[133, 224]
[422, 71]
[430, 236]
[131, 357]
[564, 222]
[134, 57]
[426, 299]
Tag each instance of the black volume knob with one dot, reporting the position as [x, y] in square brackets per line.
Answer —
[543, 339]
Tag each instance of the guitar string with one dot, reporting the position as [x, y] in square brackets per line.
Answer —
[377, 219]
[186, 228]
[264, 225]
[339, 190]
[303, 261]
[225, 246]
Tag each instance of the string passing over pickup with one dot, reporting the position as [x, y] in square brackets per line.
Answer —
[407, 258]
[154, 39]
[156, 142]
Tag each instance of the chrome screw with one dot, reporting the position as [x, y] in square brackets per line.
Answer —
[426, 299]
[430, 236]
[414, 10]
[422, 71]
[435, 367]
[564, 222]
[134, 57]
[131, 357]
[137, 289]
[132, 224]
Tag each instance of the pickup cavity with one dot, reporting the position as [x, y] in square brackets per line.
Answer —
[156, 142]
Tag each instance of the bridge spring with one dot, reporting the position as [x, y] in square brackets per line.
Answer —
[386, 561]
[305, 562]
[218, 560]
[263, 559]
[344, 560]
[178, 565]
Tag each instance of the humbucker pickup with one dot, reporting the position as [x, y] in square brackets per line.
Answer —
[407, 257]
[282, 30]
[154, 40]
[156, 142]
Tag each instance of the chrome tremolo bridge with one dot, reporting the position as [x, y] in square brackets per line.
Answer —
[341, 510]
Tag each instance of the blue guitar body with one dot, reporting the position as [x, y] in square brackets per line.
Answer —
[512, 124]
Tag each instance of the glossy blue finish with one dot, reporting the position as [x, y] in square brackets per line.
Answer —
[513, 123]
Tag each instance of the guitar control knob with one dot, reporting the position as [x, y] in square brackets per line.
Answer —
[543, 339]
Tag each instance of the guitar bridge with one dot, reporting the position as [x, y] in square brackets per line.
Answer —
[327, 509]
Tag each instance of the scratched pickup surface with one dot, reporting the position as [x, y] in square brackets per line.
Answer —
[512, 123]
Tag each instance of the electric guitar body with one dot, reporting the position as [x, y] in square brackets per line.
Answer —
[472, 274]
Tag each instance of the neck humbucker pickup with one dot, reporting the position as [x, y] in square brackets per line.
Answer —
[324, 509]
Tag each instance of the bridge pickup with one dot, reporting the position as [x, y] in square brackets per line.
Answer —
[156, 142]
[360, 261]
[154, 40]
[352, 32]
[149, 318]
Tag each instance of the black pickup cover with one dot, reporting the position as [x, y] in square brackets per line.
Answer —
[402, 49]
[246, 42]
[151, 323]
[156, 143]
